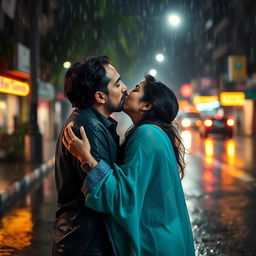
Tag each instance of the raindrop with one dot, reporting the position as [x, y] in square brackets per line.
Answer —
[80, 9]
[252, 54]
[95, 33]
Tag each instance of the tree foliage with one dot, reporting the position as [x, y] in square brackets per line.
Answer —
[88, 28]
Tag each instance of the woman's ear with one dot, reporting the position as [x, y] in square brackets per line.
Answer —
[100, 97]
[146, 106]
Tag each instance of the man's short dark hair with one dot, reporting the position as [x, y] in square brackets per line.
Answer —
[83, 79]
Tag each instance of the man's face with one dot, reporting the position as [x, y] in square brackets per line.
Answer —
[116, 90]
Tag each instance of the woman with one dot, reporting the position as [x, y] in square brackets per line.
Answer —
[143, 196]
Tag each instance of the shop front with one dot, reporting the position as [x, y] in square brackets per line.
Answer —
[45, 116]
[13, 111]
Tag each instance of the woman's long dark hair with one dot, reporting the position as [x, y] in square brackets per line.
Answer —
[164, 111]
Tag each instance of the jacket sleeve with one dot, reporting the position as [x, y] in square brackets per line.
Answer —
[99, 143]
[99, 146]
[119, 191]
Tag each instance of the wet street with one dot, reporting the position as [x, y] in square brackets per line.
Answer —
[220, 188]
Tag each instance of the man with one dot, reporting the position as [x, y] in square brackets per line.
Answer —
[95, 90]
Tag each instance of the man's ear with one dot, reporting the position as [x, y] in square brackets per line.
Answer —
[100, 97]
[146, 106]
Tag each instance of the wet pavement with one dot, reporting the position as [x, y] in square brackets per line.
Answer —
[26, 229]
[11, 172]
[220, 188]
[22, 226]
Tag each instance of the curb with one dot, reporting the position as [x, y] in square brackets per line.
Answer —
[19, 187]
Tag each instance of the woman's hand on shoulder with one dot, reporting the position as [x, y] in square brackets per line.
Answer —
[79, 148]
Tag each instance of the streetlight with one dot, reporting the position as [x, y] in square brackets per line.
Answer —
[67, 64]
[174, 20]
[159, 57]
[152, 72]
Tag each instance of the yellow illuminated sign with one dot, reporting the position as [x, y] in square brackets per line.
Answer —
[12, 86]
[237, 68]
[204, 99]
[232, 98]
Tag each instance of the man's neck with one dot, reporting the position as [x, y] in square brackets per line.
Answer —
[102, 110]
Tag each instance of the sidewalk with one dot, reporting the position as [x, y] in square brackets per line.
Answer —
[16, 177]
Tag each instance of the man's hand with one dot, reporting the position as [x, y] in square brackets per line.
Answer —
[78, 148]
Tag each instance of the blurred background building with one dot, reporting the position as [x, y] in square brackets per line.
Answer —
[15, 88]
[210, 49]
[227, 60]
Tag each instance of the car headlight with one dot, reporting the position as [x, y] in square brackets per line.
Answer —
[230, 122]
[185, 123]
[208, 123]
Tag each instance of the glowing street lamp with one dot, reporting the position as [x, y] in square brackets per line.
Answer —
[67, 64]
[159, 57]
[174, 20]
[152, 72]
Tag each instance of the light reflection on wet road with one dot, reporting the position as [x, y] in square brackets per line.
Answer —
[16, 230]
[26, 229]
[220, 191]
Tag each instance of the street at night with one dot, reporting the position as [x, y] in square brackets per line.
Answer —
[220, 189]
[141, 78]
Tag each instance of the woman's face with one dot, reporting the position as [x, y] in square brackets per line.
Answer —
[133, 104]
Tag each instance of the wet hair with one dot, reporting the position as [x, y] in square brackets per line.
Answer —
[164, 110]
[83, 79]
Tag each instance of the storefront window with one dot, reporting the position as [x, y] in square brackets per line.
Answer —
[3, 113]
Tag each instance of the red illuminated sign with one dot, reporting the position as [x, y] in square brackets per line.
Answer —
[186, 90]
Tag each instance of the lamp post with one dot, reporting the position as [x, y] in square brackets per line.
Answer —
[174, 20]
[33, 139]
[160, 57]
[152, 72]
[67, 64]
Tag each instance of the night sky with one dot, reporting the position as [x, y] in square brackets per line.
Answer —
[177, 44]
[154, 35]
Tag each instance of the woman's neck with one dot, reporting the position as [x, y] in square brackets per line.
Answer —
[136, 118]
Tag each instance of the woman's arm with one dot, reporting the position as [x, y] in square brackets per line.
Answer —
[79, 148]
[118, 191]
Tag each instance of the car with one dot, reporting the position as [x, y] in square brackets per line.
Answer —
[189, 120]
[217, 125]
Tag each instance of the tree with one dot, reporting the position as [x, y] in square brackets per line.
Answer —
[88, 28]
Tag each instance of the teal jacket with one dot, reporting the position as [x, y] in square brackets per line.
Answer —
[144, 197]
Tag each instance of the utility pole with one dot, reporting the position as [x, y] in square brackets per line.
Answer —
[33, 139]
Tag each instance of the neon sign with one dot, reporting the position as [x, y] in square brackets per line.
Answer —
[232, 98]
[12, 86]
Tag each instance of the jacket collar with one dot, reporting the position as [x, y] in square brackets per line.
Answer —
[107, 122]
